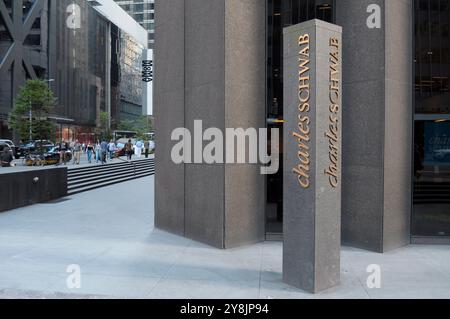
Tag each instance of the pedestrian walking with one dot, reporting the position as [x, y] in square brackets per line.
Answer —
[77, 149]
[63, 148]
[129, 149]
[89, 151]
[152, 146]
[138, 149]
[111, 149]
[147, 148]
[103, 151]
[6, 157]
[98, 151]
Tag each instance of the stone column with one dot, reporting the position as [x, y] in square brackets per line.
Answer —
[377, 117]
[312, 155]
[169, 109]
[209, 66]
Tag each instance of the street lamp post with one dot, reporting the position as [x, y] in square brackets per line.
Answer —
[31, 120]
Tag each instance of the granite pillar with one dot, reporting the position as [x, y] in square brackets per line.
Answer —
[312, 155]
[169, 96]
[209, 66]
[377, 118]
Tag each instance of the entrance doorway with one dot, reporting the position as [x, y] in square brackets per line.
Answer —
[281, 14]
[431, 174]
[431, 209]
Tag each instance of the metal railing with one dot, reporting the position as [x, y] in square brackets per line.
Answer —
[131, 162]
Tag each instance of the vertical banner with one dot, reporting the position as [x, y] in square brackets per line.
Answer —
[147, 78]
[312, 155]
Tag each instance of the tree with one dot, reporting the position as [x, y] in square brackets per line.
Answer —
[105, 130]
[142, 125]
[31, 109]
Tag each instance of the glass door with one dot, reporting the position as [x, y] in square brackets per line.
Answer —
[431, 213]
[431, 197]
[280, 14]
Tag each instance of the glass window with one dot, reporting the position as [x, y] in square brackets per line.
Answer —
[431, 209]
[283, 13]
[432, 178]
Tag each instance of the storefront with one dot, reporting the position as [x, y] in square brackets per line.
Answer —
[68, 130]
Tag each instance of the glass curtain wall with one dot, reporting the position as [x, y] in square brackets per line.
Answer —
[80, 64]
[431, 212]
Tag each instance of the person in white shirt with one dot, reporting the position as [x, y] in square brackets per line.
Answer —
[138, 149]
[97, 150]
[112, 149]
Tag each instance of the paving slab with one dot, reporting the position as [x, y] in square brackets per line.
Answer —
[109, 233]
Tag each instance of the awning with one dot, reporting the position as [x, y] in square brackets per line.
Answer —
[60, 119]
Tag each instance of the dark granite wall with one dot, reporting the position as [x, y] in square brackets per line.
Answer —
[18, 189]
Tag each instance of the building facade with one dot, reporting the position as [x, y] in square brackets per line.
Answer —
[396, 124]
[91, 60]
[143, 11]
[23, 49]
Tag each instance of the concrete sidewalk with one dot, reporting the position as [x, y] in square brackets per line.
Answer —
[109, 234]
[20, 167]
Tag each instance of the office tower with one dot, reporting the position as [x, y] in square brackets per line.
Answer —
[89, 53]
[143, 11]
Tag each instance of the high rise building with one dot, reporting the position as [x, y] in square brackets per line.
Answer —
[143, 11]
[90, 52]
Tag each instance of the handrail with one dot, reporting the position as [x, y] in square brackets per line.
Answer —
[131, 162]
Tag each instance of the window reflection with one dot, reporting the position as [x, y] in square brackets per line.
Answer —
[431, 213]
[432, 56]
[283, 13]
[432, 179]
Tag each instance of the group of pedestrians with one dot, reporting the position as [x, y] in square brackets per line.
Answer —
[135, 149]
[77, 150]
[99, 151]
[139, 148]
[102, 151]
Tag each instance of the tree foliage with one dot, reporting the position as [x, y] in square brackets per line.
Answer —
[37, 96]
[141, 125]
[104, 130]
